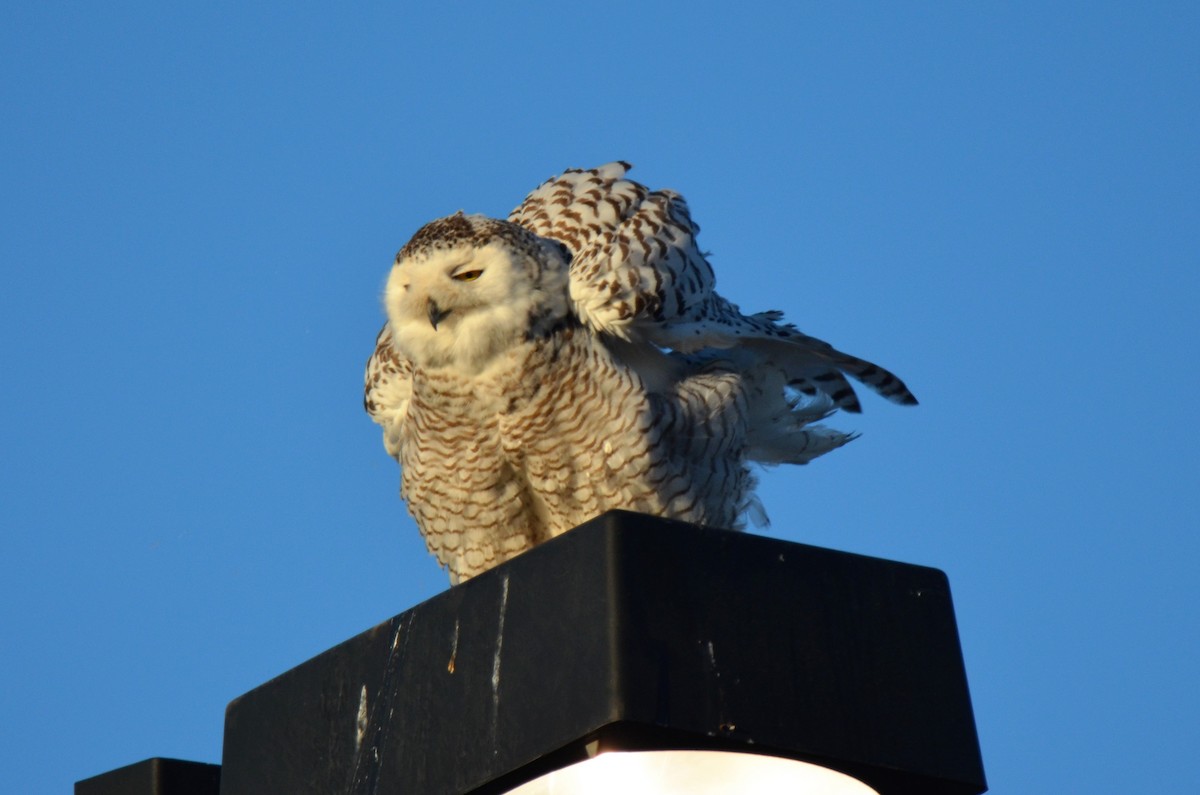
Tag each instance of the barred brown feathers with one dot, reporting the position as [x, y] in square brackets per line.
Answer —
[576, 358]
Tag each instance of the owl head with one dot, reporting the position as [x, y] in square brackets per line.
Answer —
[467, 288]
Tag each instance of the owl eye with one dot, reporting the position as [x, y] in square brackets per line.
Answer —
[466, 276]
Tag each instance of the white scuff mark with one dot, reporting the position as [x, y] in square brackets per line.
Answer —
[360, 723]
[365, 766]
[496, 663]
[499, 637]
[724, 725]
[453, 648]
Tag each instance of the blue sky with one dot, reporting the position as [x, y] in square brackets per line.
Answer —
[999, 201]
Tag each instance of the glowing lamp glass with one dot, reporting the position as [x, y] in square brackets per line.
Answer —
[693, 773]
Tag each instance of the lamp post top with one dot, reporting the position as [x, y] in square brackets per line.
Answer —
[631, 633]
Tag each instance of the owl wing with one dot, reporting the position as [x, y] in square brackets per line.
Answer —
[387, 389]
[638, 274]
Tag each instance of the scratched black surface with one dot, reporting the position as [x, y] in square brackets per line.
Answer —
[632, 632]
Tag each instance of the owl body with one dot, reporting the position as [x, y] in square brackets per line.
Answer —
[555, 432]
[576, 358]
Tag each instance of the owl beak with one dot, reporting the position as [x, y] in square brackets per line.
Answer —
[436, 314]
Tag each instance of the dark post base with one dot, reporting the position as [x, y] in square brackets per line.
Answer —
[155, 777]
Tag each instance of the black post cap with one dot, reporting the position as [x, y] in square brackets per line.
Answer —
[636, 633]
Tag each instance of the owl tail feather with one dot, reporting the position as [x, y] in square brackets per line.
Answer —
[815, 367]
[799, 445]
[785, 433]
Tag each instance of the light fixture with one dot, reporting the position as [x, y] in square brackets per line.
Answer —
[660, 653]
[693, 773]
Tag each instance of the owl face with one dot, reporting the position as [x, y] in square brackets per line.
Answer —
[462, 294]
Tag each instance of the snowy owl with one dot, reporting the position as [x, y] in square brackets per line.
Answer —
[575, 358]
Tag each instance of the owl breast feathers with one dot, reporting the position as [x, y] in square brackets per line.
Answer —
[536, 372]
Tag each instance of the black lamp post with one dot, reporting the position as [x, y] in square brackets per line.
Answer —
[630, 646]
